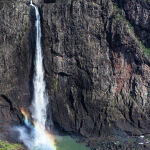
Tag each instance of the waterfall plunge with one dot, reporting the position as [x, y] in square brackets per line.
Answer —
[35, 136]
[40, 99]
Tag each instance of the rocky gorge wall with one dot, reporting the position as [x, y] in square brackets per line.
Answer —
[15, 60]
[96, 60]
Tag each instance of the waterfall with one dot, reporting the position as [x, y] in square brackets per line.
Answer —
[34, 135]
[40, 99]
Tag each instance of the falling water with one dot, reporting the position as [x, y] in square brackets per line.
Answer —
[35, 136]
[40, 99]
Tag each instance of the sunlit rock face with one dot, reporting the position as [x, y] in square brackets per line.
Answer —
[96, 74]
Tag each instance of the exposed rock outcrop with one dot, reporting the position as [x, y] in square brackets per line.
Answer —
[15, 61]
[96, 63]
[96, 70]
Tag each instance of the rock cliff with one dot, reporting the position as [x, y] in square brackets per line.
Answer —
[96, 60]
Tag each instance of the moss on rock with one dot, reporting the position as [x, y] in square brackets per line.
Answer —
[4, 145]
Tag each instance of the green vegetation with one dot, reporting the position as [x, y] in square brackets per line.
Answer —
[140, 43]
[54, 54]
[131, 28]
[4, 145]
[26, 28]
[117, 12]
[67, 143]
[115, 8]
[145, 49]
[54, 80]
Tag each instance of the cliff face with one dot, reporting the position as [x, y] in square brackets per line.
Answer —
[15, 60]
[96, 68]
[96, 61]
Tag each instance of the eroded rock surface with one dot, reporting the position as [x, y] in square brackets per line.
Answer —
[15, 61]
[96, 64]
[96, 70]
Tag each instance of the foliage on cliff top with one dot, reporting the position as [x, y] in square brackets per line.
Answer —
[4, 145]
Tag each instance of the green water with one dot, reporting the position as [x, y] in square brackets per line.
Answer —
[68, 143]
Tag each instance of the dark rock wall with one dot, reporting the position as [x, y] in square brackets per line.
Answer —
[139, 15]
[15, 61]
[77, 62]
[96, 64]
[97, 73]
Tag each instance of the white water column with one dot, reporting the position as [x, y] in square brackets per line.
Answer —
[40, 98]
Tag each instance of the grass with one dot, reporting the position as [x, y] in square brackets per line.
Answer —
[145, 49]
[4, 145]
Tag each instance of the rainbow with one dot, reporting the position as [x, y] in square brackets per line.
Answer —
[25, 114]
[47, 137]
